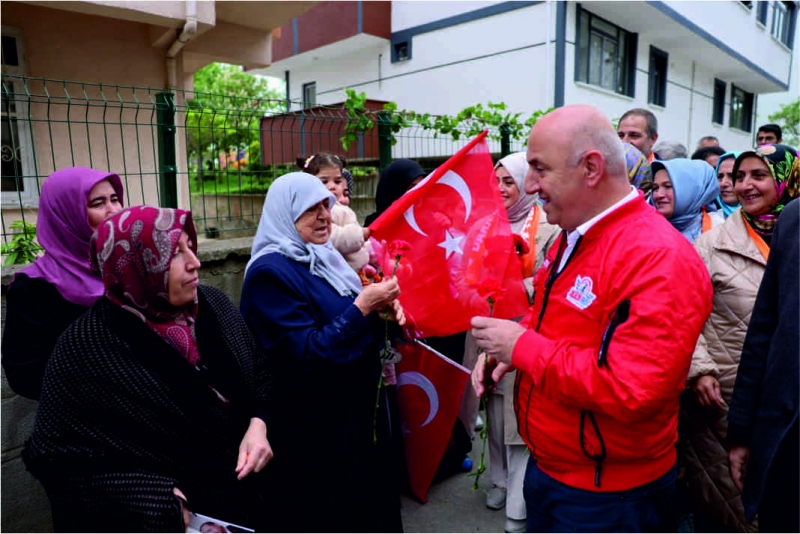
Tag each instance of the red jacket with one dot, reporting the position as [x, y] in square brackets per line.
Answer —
[597, 397]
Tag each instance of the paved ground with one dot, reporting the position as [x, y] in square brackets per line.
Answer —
[453, 506]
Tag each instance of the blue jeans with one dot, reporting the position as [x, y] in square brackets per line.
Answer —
[556, 507]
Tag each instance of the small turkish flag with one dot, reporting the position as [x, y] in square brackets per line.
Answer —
[455, 235]
[429, 391]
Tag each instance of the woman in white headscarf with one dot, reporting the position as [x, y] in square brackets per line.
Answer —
[322, 335]
[533, 235]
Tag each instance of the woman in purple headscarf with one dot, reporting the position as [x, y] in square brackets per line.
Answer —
[45, 298]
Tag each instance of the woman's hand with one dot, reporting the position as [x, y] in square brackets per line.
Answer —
[394, 312]
[254, 451]
[377, 296]
[708, 393]
[187, 514]
[737, 464]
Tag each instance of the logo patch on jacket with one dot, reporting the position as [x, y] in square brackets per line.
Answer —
[581, 293]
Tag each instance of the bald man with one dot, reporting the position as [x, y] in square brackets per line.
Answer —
[603, 354]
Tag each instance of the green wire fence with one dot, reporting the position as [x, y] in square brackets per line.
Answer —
[217, 154]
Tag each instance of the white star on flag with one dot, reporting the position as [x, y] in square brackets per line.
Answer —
[451, 244]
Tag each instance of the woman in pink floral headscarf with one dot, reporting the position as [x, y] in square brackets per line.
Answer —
[154, 402]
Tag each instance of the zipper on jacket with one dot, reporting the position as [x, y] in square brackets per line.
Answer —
[619, 316]
[597, 458]
[551, 279]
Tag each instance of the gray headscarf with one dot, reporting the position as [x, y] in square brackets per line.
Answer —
[287, 199]
[517, 166]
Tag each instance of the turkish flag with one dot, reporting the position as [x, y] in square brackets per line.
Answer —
[459, 238]
[429, 391]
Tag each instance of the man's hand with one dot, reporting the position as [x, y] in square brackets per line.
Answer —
[496, 337]
[497, 370]
[254, 450]
[708, 393]
[737, 464]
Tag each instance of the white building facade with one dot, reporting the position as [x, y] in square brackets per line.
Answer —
[698, 66]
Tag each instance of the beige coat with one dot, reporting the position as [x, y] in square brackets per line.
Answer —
[347, 236]
[546, 234]
[736, 267]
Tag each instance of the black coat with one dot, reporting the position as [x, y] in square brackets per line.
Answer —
[36, 315]
[123, 419]
[764, 406]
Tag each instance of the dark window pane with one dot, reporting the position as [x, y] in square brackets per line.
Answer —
[10, 56]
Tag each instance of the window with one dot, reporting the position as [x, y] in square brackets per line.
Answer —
[401, 51]
[718, 113]
[401, 46]
[657, 86]
[782, 22]
[309, 95]
[761, 12]
[606, 54]
[741, 109]
[17, 178]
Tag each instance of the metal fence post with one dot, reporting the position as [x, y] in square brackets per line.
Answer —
[505, 140]
[384, 140]
[167, 158]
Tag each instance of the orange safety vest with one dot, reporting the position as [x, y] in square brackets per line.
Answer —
[707, 222]
[759, 241]
[528, 234]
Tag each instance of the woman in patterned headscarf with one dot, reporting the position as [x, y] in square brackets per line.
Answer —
[154, 401]
[638, 169]
[765, 180]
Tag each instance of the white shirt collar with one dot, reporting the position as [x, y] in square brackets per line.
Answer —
[572, 237]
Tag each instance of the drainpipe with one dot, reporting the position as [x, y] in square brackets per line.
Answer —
[187, 34]
[691, 109]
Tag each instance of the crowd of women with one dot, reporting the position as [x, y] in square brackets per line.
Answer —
[158, 399]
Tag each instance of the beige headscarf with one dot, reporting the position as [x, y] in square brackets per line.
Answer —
[517, 166]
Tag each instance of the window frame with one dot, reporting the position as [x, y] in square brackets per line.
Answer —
[29, 196]
[305, 100]
[741, 120]
[655, 55]
[785, 35]
[718, 102]
[626, 54]
[762, 12]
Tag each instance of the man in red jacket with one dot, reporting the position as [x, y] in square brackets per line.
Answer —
[604, 350]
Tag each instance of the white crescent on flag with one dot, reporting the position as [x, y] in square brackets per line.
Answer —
[413, 378]
[451, 179]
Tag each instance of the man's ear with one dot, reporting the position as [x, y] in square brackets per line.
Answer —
[594, 166]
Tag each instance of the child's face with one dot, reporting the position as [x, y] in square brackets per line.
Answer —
[332, 179]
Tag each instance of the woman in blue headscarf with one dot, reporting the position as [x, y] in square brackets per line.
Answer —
[681, 190]
[726, 202]
[321, 332]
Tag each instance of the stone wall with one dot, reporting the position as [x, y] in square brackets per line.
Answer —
[24, 504]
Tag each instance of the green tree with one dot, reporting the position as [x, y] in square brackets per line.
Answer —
[224, 111]
[788, 117]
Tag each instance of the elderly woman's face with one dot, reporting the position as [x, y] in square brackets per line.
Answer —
[183, 274]
[314, 225]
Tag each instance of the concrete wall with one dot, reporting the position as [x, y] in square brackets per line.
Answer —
[25, 507]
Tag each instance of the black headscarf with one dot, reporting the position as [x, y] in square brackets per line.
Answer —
[395, 181]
